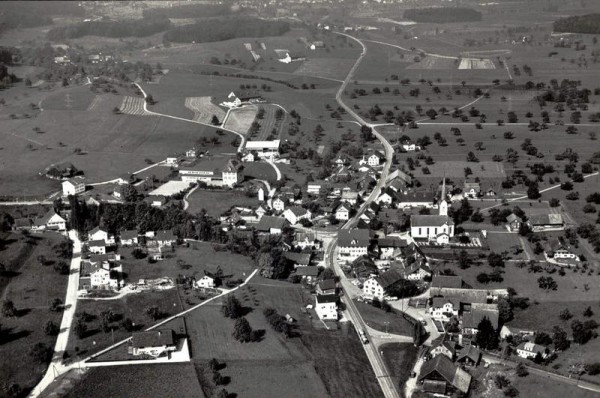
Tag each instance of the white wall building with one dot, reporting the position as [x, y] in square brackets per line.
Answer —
[326, 307]
[206, 282]
[72, 187]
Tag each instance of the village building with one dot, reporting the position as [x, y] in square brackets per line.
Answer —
[414, 199]
[101, 234]
[443, 308]
[51, 221]
[559, 249]
[439, 375]
[154, 343]
[129, 237]
[471, 189]
[278, 204]
[295, 214]
[326, 307]
[513, 222]
[443, 346]
[97, 246]
[437, 228]
[469, 356]
[72, 187]
[165, 238]
[327, 286]
[232, 101]
[264, 149]
[271, 224]
[541, 222]
[342, 213]
[379, 286]
[298, 259]
[353, 243]
[214, 171]
[530, 350]
[206, 282]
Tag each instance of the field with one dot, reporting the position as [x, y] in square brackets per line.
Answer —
[163, 380]
[378, 319]
[217, 202]
[31, 287]
[399, 359]
[204, 109]
[327, 363]
[270, 126]
[240, 120]
[260, 171]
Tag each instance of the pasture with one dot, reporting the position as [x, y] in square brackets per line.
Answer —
[240, 120]
[399, 359]
[218, 202]
[204, 109]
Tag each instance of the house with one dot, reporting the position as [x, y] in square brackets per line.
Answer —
[271, 224]
[350, 197]
[387, 197]
[158, 253]
[342, 212]
[90, 201]
[72, 187]
[327, 286]
[353, 243]
[51, 221]
[507, 331]
[173, 160]
[309, 273]
[22, 224]
[218, 171]
[529, 350]
[443, 308]
[129, 237]
[400, 176]
[156, 201]
[440, 369]
[153, 343]
[416, 199]
[191, 153]
[305, 240]
[364, 268]
[389, 246]
[471, 189]
[103, 278]
[559, 249]
[298, 259]
[410, 147]
[315, 188]
[295, 214]
[260, 212]
[417, 271]
[471, 319]
[379, 286]
[100, 234]
[513, 222]
[206, 282]
[375, 159]
[541, 222]
[342, 160]
[264, 149]
[443, 346]
[101, 274]
[232, 101]
[326, 307]
[278, 204]
[97, 246]
[165, 238]
[397, 185]
[469, 356]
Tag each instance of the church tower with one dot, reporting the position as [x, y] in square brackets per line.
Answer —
[443, 206]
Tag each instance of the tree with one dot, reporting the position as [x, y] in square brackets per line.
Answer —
[471, 157]
[8, 309]
[581, 333]
[505, 312]
[56, 305]
[242, 331]
[232, 308]
[128, 325]
[487, 337]
[559, 338]
[154, 312]
[483, 278]
[511, 392]
[521, 370]
[495, 260]
[533, 191]
[542, 338]
[223, 394]
[80, 329]
[40, 352]
[565, 314]
[592, 368]
[431, 113]
[501, 381]
[215, 120]
[588, 312]
[51, 328]
[547, 283]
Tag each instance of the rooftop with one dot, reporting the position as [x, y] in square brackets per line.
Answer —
[427, 220]
[154, 338]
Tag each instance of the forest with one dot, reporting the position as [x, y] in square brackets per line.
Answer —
[589, 23]
[136, 28]
[189, 11]
[442, 14]
[224, 29]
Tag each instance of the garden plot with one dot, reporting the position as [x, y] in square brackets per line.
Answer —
[333, 68]
[204, 109]
[133, 106]
[240, 120]
[434, 63]
[171, 188]
[476, 63]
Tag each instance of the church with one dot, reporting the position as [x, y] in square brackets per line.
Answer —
[437, 228]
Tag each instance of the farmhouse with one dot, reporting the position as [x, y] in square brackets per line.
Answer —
[375, 159]
[327, 286]
[443, 308]
[353, 243]
[278, 204]
[416, 199]
[264, 149]
[165, 238]
[206, 282]
[213, 171]
[471, 319]
[173, 160]
[443, 346]
[410, 147]
[100, 275]
[100, 234]
[469, 356]
[232, 101]
[305, 240]
[379, 286]
[50, 221]
[342, 213]
[558, 249]
[388, 246]
[97, 246]
[298, 259]
[326, 307]
[129, 237]
[271, 224]
[295, 214]
[513, 222]
[440, 371]
[529, 350]
[309, 273]
[154, 343]
[472, 189]
[72, 187]
[417, 271]
[543, 222]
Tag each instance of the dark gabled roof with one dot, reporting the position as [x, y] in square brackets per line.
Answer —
[427, 220]
[297, 210]
[531, 347]
[450, 281]
[438, 302]
[434, 386]
[307, 271]
[471, 352]
[96, 243]
[327, 284]
[417, 197]
[129, 234]
[392, 242]
[154, 338]
[46, 217]
[353, 238]
[93, 231]
[444, 340]
[546, 219]
[472, 185]
[327, 298]
[443, 366]
[389, 278]
[391, 215]
[513, 217]
[165, 235]
[472, 318]
[268, 222]
[298, 258]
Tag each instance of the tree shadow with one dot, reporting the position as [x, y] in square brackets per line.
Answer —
[245, 310]
[22, 312]
[258, 335]
[8, 335]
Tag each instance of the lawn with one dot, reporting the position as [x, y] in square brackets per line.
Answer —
[31, 287]
[544, 315]
[240, 120]
[198, 258]
[133, 381]
[260, 171]
[504, 242]
[378, 319]
[218, 202]
[399, 359]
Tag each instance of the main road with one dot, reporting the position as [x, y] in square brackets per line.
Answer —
[390, 390]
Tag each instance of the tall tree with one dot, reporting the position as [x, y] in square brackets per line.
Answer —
[487, 336]
[242, 331]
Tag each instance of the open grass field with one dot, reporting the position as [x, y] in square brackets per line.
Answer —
[217, 202]
[399, 359]
[504, 242]
[390, 322]
[198, 258]
[240, 120]
[270, 126]
[131, 306]
[260, 171]
[31, 287]
[133, 381]
[78, 98]
[204, 108]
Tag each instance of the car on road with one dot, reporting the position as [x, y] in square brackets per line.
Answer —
[363, 337]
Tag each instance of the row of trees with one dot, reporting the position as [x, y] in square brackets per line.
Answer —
[589, 23]
[442, 14]
[129, 28]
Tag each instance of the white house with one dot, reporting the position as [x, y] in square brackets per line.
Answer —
[472, 189]
[260, 212]
[438, 228]
[378, 286]
[278, 204]
[375, 159]
[342, 213]
[558, 249]
[264, 149]
[353, 243]
[296, 213]
[97, 246]
[100, 234]
[389, 246]
[154, 343]
[173, 160]
[129, 237]
[232, 101]
[206, 282]
[103, 278]
[50, 221]
[529, 350]
[410, 147]
[72, 187]
[443, 308]
[326, 307]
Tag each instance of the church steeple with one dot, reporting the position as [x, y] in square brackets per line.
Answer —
[443, 207]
